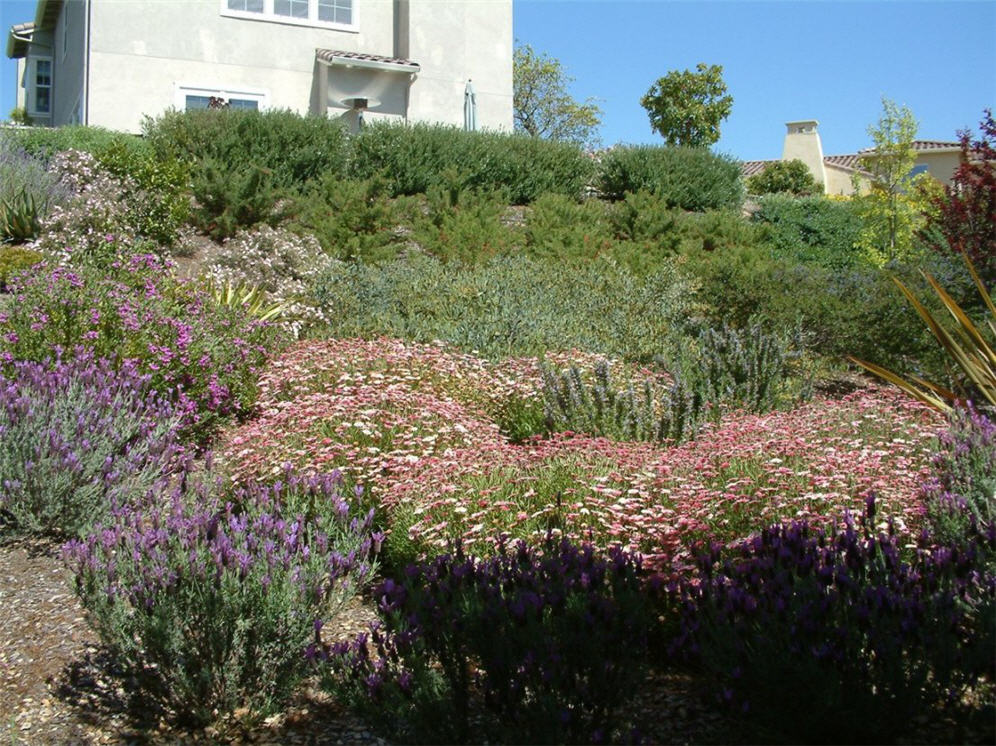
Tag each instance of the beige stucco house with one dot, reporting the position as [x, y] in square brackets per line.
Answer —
[840, 173]
[109, 63]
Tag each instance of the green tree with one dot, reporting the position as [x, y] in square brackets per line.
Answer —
[784, 177]
[542, 106]
[890, 210]
[686, 107]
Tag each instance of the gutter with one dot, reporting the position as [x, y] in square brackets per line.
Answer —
[86, 62]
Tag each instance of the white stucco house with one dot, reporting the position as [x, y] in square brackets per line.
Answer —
[838, 174]
[111, 62]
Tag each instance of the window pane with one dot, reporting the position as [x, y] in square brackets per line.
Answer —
[42, 100]
[43, 72]
[250, 6]
[293, 8]
[243, 103]
[335, 11]
[197, 102]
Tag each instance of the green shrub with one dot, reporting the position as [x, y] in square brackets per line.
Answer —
[292, 149]
[14, 260]
[352, 219]
[462, 224]
[688, 178]
[45, 142]
[510, 305]
[784, 177]
[414, 157]
[230, 199]
[813, 229]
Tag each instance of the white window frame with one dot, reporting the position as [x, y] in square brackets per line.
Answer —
[32, 77]
[311, 20]
[182, 90]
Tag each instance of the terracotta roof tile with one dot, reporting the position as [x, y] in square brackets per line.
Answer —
[851, 161]
[327, 55]
[752, 168]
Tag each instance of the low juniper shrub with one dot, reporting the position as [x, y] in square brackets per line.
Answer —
[211, 597]
[533, 645]
[960, 496]
[76, 431]
[655, 412]
[834, 637]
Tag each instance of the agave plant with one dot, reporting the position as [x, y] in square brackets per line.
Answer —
[966, 345]
[20, 217]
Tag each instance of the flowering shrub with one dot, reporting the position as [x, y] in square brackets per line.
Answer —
[211, 597]
[205, 355]
[76, 231]
[74, 433]
[535, 646]
[960, 495]
[279, 263]
[833, 636]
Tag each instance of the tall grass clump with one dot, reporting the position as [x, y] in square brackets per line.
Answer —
[210, 598]
[75, 433]
[687, 178]
[414, 157]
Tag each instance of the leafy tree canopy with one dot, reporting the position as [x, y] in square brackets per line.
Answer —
[686, 107]
[784, 177]
[542, 106]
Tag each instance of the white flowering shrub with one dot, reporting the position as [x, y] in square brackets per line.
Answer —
[279, 263]
[97, 217]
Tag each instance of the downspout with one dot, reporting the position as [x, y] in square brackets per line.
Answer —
[86, 63]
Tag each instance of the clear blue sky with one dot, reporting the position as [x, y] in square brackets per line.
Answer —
[830, 61]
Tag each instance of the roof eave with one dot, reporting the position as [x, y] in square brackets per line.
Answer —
[18, 40]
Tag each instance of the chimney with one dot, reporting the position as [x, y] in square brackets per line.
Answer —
[802, 143]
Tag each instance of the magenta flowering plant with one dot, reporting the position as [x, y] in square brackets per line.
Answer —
[211, 597]
[74, 434]
[204, 355]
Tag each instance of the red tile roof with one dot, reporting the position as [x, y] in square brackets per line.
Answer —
[752, 168]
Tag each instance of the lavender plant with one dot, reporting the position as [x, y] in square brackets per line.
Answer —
[531, 646]
[960, 496]
[27, 192]
[76, 432]
[834, 637]
[211, 597]
[653, 412]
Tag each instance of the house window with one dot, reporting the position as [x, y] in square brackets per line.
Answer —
[327, 13]
[200, 97]
[41, 83]
[335, 11]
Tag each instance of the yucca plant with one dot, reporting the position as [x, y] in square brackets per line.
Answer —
[247, 297]
[966, 345]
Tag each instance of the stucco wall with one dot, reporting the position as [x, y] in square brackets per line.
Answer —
[455, 41]
[941, 165]
[68, 54]
[141, 52]
[839, 181]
